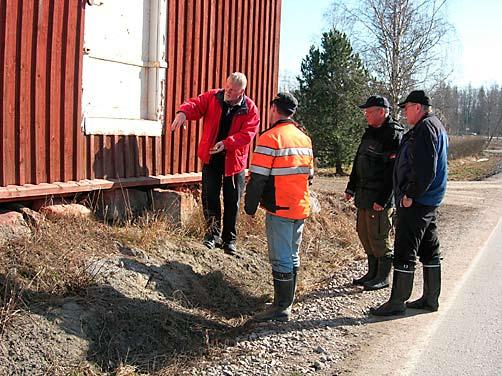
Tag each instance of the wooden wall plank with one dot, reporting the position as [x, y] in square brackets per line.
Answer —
[82, 158]
[41, 82]
[9, 92]
[24, 109]
[41, 94]
[3, 25]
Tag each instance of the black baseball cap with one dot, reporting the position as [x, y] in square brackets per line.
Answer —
[286, 102]
[416, 96]
[375, 101]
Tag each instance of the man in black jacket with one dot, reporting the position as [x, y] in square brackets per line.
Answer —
[371, 185]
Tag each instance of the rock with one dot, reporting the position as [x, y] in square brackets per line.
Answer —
[66, 211]
[12, 227]
[320, 350]
[178, 207]
[31, 216]
[317, 365]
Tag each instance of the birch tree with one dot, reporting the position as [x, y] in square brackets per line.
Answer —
[403, 42]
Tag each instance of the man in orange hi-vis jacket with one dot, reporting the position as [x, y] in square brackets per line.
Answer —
[281, 172]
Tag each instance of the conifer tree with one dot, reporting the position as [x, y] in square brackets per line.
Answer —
[333, 82]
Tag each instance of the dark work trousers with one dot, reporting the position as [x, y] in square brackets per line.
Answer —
[373, 228]
[416, 235]
[233, 186]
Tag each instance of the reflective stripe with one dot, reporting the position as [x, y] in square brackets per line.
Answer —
[404, 271]
[289, 171]
[283, 152]
[311, 173]
[431, 266]
[280, 171]
[260, 170]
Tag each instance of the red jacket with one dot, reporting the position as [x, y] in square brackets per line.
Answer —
[244, 126]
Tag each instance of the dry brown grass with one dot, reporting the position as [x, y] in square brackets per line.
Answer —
[466, 146]
[54, 258]
[330, 241]
[473, 168]
[9, 300]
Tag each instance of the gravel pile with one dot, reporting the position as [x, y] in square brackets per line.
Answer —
[318, 336]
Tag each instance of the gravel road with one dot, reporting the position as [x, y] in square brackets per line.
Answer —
[331, 333]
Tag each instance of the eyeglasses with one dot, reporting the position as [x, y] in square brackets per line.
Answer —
[408, 105]
[370, 110]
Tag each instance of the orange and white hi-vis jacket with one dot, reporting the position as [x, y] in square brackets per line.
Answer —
[281, 170]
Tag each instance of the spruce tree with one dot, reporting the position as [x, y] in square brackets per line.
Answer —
[333, 82]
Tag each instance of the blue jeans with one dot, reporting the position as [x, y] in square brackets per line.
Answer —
[284, 237]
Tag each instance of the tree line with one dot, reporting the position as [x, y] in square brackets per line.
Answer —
[470, 110]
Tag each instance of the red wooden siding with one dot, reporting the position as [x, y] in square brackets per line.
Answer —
[41, 44]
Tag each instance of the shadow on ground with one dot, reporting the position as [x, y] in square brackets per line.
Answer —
[190, 314]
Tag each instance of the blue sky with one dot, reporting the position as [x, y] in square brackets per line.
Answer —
[478, 24]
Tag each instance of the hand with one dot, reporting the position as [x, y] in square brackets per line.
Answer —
[348, 196]
[406, 202]
[179, 120]
[217, 148]
[377, 207]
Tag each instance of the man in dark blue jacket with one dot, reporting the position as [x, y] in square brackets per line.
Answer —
[420, 175]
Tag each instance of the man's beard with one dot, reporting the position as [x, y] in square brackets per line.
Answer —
[232, 102]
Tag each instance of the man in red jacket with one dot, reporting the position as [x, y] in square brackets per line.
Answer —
[230, 123]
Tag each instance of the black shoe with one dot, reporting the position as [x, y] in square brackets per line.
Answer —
[210, 241]
[230, 249]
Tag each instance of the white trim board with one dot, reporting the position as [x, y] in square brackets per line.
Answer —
[122, 127]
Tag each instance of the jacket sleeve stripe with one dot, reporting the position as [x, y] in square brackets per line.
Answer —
[289, 171]
[281, 171]
[260, 170]
[283, 152]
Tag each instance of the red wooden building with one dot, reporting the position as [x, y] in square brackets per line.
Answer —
[90, 87]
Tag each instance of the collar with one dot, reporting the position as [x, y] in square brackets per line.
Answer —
[241, 106]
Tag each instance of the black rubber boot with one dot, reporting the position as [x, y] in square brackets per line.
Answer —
[381, 279]
[432, 289]
[295, 280]
[372, 270]
[401, 290]
[284, 293]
